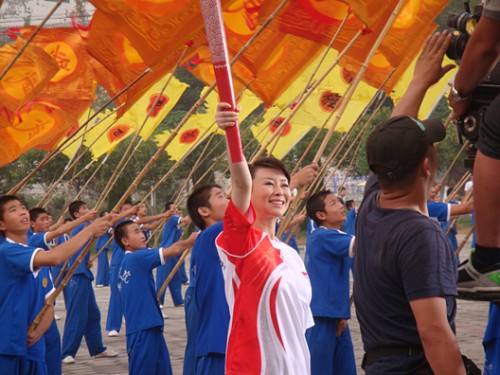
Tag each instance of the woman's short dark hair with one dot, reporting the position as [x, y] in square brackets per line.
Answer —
[271, 163]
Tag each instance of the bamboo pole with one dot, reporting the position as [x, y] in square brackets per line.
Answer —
[65, 172]
[450, 167]
[172, 273]
[464, 241]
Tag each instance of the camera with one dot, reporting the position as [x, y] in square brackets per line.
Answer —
[463, 26]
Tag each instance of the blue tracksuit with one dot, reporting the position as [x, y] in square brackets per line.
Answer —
[207, 313]
[146, 347]
[83, 317]
[328, 263]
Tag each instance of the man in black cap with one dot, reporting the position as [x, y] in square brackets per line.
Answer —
[405, 280]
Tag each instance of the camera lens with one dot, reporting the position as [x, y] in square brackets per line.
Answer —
[457, 46]
[464, 22]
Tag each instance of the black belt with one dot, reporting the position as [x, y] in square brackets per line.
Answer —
[374, 355]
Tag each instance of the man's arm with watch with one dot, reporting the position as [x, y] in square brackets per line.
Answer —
[480, 56]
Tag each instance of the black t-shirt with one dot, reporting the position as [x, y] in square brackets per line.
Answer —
[401, 255]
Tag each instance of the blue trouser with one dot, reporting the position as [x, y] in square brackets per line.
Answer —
[175, 285]
[115, 312]
[83, 318]
[191, 331]
[182, 270]
[330, 354]
[29, 367]
[491, 342]
[102, 277]
[53, 350]
[212, 364]
[148, 353]
[16, 364]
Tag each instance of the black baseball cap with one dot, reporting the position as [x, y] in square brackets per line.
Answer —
[397, 145]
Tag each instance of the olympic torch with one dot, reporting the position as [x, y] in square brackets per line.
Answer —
[214, 27]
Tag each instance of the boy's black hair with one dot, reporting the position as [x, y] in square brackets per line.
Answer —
[74, 207]
[316, 203]
[4, 199]
[349, 204]
[168, 205]
[269, 162]
[199, 198]
[449, 191]
[37, 211]
[120, 232]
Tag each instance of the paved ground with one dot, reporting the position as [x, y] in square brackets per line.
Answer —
[471, 322]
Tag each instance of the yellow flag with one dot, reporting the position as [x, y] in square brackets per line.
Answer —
[104, 134]
[164, 103]
[327, 97]
[433, 95]
[293, 132]
[195, 130]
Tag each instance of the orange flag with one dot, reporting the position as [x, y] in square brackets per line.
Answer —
[36, 125]
[121, 59]
[369, 11]
[29, 75]
[268, 66]
[73, 86]
[319, 21]
[155, 28]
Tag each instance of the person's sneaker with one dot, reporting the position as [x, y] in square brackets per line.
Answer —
[107, 354]
[113, 333]
[68, 360]
[165, 316]
[161, 306]
[477, 285]
[57, 317]
[99, 286]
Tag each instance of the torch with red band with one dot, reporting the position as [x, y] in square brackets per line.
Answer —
[214, 26]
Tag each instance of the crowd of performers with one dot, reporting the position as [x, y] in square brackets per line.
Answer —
[253, 304]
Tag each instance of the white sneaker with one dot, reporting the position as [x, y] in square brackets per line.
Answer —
[57, 317]
[99, 286]
[161, 306]
[107, 354]
[165, 316]
[68, 360]
[113, 333]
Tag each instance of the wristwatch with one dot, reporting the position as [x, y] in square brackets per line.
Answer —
[457, 96]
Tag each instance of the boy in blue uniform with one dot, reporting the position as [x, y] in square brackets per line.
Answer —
[45, 239]
[115, 314]
[171, 233]
[146, 347]
[328, 261]
[19, 264]
[207, 313]
[83, 317]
